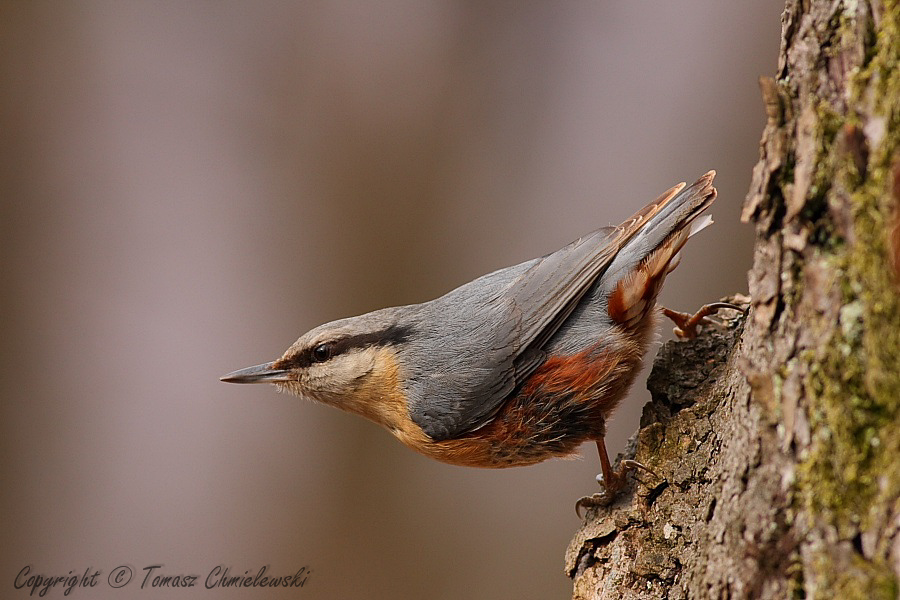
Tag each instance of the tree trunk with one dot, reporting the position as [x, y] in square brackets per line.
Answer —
[777, 442]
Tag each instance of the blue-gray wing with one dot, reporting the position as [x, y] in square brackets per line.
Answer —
[499, 323]
[482, 340]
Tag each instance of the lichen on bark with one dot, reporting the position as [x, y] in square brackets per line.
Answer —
[779, 451]
[847, 474]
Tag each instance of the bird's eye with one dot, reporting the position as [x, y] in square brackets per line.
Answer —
[322, 352]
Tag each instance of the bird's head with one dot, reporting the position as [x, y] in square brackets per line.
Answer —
[351, 364]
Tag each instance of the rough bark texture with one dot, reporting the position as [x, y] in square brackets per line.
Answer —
[777, 442]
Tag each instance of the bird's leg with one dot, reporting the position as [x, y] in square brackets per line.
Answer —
[686, 323]
[611, 480]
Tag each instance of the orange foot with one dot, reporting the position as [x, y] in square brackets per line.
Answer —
[612, 481]
[686, 324]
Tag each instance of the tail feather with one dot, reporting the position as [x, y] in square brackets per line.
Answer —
[636, 275]
[700, 224]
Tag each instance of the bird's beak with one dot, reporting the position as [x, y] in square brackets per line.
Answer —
[258, 374]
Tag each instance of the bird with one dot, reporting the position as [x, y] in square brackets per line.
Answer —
[520, 365]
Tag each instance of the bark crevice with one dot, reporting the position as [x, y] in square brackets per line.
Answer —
[778, 439]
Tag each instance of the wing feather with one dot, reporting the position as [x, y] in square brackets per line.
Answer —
[505, 319]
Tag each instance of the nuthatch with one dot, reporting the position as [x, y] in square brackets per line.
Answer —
[517, 366]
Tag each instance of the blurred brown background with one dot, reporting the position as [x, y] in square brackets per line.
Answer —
[188, 187]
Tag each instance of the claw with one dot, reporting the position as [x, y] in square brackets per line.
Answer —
[686, 324]
[633, 465]
[597, 500]
[611, 480]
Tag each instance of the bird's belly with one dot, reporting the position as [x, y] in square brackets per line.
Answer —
[564, 403]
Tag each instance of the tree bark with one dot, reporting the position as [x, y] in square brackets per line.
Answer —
[777, 442]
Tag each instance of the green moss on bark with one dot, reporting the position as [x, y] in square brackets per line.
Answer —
[863, 580]
[852, 471]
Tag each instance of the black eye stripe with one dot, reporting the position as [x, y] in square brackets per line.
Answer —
[324, 351]
[386, 337]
